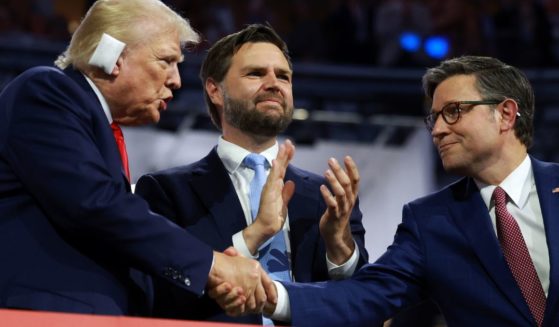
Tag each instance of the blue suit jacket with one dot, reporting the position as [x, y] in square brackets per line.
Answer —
[202, 198]
[446, 249]
[69, 228]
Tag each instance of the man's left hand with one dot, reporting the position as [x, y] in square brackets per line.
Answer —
[334, 223]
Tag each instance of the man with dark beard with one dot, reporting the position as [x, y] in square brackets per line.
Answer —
[247, 82]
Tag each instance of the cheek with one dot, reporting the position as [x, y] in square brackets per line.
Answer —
[289, 98]
[152, 80]
[287, 92]
[245, 89]
[145, 92]
[479, 144]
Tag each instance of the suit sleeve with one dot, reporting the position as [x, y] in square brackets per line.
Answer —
[358, 232]
[375, 293]
[150, 189]
[54, 149]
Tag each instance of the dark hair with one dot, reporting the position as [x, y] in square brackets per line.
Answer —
[218, 61]
[494, 80]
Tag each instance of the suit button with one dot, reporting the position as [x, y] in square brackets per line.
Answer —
[187, 281]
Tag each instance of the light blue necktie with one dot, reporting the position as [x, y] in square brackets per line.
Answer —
[272, 254]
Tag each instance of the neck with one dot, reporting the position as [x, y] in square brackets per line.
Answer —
[111, 89]
[503, 166]
[252, 143]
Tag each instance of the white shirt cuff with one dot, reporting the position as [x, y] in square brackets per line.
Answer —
[346, 269]
[241, 246]
[283, 308]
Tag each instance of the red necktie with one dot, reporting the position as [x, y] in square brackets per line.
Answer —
[518, 258]
[119, 138]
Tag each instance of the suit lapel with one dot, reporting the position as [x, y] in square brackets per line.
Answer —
[216, 191]
[106, 141]
[546, 177]
[472, 217]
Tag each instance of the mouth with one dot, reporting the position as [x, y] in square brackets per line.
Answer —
[164, 103]
[272, 103]
[444, 147]
[270, 98]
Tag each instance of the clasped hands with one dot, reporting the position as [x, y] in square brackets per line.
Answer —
[240, 285]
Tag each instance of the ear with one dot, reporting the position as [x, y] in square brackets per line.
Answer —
[214, 92]
[118, 67]
[509, 110]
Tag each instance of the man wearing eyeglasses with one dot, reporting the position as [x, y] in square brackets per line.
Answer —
[486, 248]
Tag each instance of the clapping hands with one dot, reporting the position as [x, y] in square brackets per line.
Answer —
[335, 223]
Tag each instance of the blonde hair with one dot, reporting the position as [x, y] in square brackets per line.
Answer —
[133, 22]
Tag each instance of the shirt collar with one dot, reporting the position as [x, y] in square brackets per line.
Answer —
[517, 185]
[101, 98]
[233, 155]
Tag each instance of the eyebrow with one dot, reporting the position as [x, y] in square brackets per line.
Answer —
[444, 105]
[169, 55]
[283, 71]
[276, 69]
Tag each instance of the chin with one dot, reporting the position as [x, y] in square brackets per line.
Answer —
[144, 121]
[455, 168]
[153, 118]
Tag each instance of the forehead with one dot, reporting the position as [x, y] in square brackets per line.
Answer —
[160, 44]
[455, 88]
[260, 54]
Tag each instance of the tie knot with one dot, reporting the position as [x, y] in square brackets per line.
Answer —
[254, 160]
[117, 131]
[499, 196]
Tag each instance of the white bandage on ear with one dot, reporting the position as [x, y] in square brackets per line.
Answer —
[106, 54]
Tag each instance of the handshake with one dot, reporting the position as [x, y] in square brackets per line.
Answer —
[238, 284]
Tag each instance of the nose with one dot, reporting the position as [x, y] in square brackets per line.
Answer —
[174, 78]
[439, 127]
[270, 81]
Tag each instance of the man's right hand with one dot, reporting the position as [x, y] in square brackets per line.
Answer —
[233, 303]
[275, 196]
[243, 274]
[239, 285]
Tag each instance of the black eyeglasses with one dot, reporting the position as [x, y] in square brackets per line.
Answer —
[451, 112]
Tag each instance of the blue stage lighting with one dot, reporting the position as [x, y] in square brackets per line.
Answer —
[410, 41]
[437, 46]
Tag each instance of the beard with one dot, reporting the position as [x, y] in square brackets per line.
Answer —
[244, 115]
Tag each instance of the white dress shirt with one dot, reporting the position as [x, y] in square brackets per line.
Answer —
[232, 157]
[101, 98]
[524, 206]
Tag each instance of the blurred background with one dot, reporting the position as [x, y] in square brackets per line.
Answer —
[357, 87]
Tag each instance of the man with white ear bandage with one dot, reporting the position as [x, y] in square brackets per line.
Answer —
[71, 232]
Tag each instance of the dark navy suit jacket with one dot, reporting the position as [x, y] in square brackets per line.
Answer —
[70, 230]
[202, 198]
[446, 249]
